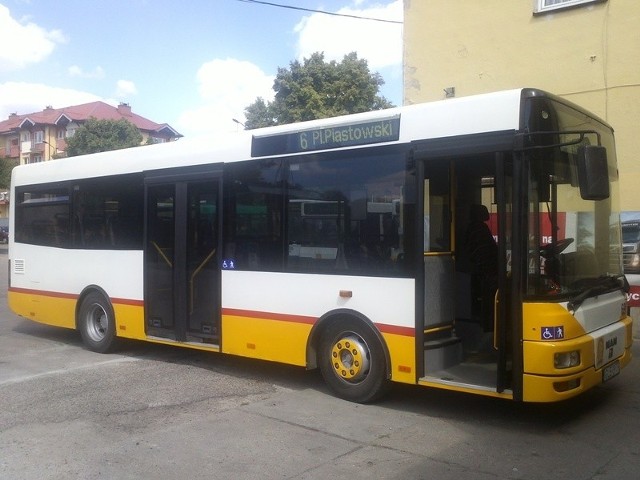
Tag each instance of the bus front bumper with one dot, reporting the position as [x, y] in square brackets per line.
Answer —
[544, 382]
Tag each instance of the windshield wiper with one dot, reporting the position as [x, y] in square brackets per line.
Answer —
[602, 284]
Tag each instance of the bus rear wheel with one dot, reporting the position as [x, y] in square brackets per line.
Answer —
[352, 361]
[97, 324]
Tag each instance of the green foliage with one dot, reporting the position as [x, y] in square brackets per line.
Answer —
[318, 89]
[103, 135]
[6, 166]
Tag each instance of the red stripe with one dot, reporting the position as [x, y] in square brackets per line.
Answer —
[72, 296]
[384, 328]
[396, 330]
[127, 301]
[282, 317]
[44, 293]
[270, 316]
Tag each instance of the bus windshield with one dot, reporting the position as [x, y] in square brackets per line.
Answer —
[573, 242]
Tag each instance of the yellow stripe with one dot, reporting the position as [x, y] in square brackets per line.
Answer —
[266, 339]
[61, 312]
[50, 310]
[458, 388]
[403, 359]
[274, 340]
[129, 321]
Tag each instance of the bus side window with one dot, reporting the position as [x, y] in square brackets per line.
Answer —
[253, 198]
[43, 217]
[108, 214]
[345, 214]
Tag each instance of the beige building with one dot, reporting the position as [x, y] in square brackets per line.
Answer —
[583, 50]
[42, 136]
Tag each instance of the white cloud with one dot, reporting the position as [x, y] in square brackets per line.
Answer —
[226, 87]
[23, 98]
[234, 80]
[76, 71]
[35, 43]
[125, 88]
[380, 43]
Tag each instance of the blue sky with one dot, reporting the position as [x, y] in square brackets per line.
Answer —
[194, 65]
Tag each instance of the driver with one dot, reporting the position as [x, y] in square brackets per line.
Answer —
[482, 251]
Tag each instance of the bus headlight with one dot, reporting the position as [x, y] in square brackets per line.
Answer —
[635, 260]
[566, 359]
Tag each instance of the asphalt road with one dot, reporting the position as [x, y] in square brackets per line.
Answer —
[155, 412]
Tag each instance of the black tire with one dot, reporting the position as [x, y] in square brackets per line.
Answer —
[97, 323]
[352, 361]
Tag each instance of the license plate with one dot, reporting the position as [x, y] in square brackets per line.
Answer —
[610, 371]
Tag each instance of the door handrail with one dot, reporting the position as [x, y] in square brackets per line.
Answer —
[165, 258]
[193, 277]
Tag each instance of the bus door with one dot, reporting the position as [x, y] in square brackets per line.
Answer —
[182, 277]
[483, 209]
[465, 211]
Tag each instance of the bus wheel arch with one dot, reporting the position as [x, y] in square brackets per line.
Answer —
[351, 354]
[96, 321]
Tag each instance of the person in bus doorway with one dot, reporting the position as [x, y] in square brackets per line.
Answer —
[482, 252]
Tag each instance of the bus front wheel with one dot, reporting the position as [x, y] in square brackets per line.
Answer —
[352, 361]
[97, 324]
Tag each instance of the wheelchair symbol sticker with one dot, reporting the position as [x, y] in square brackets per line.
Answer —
[552, 333]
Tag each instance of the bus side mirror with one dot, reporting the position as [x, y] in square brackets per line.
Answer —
[593, 172]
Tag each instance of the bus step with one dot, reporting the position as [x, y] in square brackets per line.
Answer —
[442, 354]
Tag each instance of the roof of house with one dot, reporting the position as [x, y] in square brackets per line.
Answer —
[81, 113]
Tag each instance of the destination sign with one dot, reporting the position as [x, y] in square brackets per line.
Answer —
[378, 131]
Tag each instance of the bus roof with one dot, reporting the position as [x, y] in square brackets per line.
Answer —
[492, 112]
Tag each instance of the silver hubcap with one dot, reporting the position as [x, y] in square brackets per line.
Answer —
[97, 322]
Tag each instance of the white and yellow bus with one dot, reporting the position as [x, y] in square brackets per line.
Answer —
[341, 244]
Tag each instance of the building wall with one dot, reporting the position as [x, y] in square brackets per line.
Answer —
[588, 54]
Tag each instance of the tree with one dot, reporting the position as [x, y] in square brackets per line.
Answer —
[318, 89]
[6, 165]
[103, 135]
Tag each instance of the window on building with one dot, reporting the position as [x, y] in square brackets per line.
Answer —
[38, 136]
[12, 143]
[25, 136]
[61, 133]
[543, 6]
